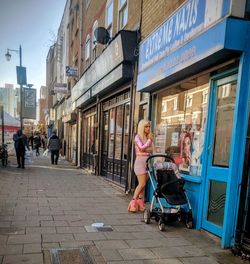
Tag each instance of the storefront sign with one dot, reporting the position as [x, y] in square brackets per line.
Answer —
[187, 22]
[225, 35]
[120, 49]
[83, 98]
[61, 88]
[29, 103]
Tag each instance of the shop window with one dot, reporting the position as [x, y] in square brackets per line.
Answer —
[109, 17]
[181, 116]
[123, 13]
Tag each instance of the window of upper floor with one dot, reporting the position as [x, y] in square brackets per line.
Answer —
[109, 16]
[123, 14]
[87, 51]
[94, 43]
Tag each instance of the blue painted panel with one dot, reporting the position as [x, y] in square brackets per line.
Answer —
[229, 34]
[189, 20]
[203, 46]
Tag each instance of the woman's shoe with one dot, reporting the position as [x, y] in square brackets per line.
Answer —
[141, 205]
[133, 207]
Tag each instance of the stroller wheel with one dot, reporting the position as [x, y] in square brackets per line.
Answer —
[189, 224]
[161, 225]
[146, 216]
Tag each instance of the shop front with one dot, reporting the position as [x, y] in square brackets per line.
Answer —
[103, 97]
[198, 76]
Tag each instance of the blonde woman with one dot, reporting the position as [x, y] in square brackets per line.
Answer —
[143, 148]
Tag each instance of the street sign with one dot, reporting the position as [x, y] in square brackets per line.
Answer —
[70, 71]
[29, 103]
[21, 75]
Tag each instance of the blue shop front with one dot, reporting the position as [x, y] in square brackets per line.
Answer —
[196, 69]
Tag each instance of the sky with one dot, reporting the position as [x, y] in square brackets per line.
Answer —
[33, 24]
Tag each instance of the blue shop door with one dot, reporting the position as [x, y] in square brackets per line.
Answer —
[219, 138]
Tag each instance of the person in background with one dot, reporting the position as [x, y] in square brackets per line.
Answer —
[20, 142]
[31, 140]
[143, 148]
[54, 147]
[37, 143]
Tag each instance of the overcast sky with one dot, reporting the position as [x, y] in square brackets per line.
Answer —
[33, 24]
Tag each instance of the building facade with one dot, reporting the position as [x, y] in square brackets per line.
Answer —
[194, 62]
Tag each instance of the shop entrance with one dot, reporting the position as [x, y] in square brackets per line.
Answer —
[220, 128]
[90, 142]
[115, 136]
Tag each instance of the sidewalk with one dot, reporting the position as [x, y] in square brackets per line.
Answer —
[45, 208]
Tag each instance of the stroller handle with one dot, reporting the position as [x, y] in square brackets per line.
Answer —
[167, 158]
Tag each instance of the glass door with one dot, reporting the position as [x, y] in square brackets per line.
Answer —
[220, 130]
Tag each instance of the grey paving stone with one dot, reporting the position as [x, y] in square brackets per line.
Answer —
[11, 249]
[89, 236]
[50, 245]
[110, 254]
[175, 252]
[25, 258]
[54, 223]
[198, 260]
[24, 239]
[40, 230]
[70, 229]
[76, 244]
[119, 235]
[133, 254]
[51, 238]
[32, 248]
[111, 244]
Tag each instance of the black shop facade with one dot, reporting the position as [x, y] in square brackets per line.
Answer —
[103, 99]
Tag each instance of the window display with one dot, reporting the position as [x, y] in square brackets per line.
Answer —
[180, 123]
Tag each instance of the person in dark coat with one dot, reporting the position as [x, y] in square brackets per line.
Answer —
[37, 143]
[20, 142]
[54, 147]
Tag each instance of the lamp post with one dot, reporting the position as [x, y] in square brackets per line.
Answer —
[8, 57]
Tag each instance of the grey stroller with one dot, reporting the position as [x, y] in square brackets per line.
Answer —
[170, 202]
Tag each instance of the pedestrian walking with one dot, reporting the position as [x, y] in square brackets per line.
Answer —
[20, 143]
[37, 143]
[54, 147]
[143, 148]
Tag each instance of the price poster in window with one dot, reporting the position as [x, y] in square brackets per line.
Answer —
[160, 139]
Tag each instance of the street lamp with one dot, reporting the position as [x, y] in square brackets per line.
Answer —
[8, 58]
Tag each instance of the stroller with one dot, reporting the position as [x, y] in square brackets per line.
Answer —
[170, 202]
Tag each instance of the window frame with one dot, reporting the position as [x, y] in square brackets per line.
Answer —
[121, 9]
[87, 49]
[109, 26]
[94, 42]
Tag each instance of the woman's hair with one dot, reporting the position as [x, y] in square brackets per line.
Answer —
[141, 127]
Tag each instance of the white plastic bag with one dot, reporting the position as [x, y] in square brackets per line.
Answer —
[46, 152]
[29, 156]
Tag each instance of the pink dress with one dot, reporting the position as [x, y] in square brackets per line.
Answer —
[142, 150]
